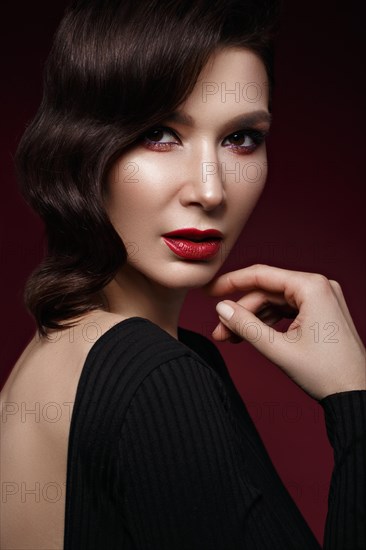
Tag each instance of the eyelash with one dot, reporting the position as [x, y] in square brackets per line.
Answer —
[257, 136]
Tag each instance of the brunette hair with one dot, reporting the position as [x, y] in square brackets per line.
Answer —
[116, 68]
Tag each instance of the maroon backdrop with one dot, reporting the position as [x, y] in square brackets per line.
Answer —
[309, 217]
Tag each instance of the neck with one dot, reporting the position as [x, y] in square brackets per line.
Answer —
[132, 294]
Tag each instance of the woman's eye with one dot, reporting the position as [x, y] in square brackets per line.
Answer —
[153, 137]
[243, 142]
[246, 140]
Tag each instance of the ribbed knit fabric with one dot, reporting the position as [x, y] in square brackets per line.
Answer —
[163, 455]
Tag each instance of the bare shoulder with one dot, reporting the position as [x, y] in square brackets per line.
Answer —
[46, 375]
[83, 335]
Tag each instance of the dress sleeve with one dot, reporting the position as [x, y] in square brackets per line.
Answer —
[345, 418]
[182, 479]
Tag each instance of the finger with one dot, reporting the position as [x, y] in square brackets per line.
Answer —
[272, 279]
[264, 305]
[222, 334]
[258, 300]
[245, 324]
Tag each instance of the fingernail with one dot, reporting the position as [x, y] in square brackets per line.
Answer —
[224, 310]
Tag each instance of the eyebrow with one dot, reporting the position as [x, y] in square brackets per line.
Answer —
[247, 119]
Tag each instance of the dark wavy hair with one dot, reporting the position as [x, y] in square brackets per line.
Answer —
[116, 68]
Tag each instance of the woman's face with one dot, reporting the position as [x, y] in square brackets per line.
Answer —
[204, 171]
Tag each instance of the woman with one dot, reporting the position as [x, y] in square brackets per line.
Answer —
[136, 154]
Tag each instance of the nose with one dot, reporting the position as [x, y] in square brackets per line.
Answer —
[203, 184]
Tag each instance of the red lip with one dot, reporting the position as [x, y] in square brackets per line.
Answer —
[195, 234]
[193, 244]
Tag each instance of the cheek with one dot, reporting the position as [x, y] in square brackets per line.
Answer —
[136, 176]
[130, 192]
[243, 193]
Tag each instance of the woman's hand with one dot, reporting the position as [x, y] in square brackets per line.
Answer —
[321, 350]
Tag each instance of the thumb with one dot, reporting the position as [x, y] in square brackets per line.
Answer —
[247, 326]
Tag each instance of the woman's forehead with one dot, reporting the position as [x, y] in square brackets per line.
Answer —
[234, 82]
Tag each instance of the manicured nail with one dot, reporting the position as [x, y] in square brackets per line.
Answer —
[224, 310]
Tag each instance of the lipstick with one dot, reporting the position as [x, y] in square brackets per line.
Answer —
[194, 244]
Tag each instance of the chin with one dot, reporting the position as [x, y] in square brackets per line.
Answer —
[185, 275]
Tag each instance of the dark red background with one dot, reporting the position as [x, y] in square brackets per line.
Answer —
[310, 217]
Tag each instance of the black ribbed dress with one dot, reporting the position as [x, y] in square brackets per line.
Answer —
[163, 455]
